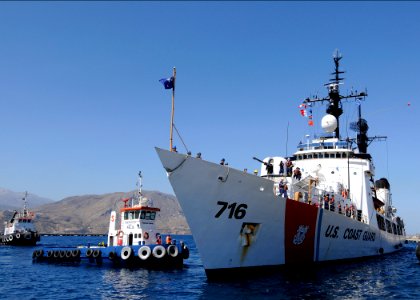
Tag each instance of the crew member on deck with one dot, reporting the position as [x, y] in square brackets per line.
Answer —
[282, 189]
[281, 168]
[297, 174]
[289, 166]
[168, 239]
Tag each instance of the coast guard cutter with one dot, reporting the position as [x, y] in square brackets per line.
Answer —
[324, 205]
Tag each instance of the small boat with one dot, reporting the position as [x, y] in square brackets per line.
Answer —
[136, 242]
[20, 230]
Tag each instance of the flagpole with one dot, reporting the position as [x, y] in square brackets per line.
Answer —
[172, 113]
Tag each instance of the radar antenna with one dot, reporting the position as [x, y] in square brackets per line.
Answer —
[334, 98]
[362, 127]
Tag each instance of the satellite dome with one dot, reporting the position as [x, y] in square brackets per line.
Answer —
[329, 123]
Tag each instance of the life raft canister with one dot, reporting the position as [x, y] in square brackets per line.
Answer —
[120, 238]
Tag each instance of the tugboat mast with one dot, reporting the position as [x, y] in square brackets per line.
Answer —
[25, 204]
[139, 187]
[334, 98]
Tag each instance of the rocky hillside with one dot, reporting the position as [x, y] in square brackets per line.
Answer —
[10, 200]
[89, 214]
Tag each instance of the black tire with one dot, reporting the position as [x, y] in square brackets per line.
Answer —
[97, 253]
[173, 251]
[75, 253]
[126, 253]
[89, 252]
[40, 253]
[112, 255]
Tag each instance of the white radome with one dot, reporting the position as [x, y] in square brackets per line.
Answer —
[329, 123]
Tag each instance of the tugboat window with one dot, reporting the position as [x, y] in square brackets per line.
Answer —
[152, 216]
[148, 215]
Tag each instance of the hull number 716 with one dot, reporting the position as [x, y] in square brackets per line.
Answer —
[236, 211]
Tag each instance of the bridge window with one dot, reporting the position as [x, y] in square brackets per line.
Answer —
[321, 155]
[304, 156]
[315, 155]
[310, 156]
[327, 155]
[338, 155]
[148, 215]
[344, 155]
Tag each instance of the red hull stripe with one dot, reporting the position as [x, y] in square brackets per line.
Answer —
[300, 226]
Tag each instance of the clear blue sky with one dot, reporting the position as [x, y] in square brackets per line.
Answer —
[82, 107]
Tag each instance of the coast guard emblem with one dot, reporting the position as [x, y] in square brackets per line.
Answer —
[300, 235]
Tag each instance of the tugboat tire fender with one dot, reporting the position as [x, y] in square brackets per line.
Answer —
[173, 250]
[144, 252]
[126, 253]
[17, 235]
[75, 253]
[97, 253]
[112, 255]
[68, 254]
[185, 252]
[10, 238]
[39, 253]
[159, 251]
[89, 252]
[50, 253]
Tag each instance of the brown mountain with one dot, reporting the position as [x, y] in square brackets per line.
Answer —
[90, 214]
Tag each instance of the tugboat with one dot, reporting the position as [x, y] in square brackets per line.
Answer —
[20, 230]
[135, 244]
[322, 204]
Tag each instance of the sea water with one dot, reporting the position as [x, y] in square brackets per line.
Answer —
[396, 275]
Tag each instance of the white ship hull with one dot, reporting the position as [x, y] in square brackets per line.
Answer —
[237, 221]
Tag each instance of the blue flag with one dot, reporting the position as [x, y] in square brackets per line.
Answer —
[168, 83]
